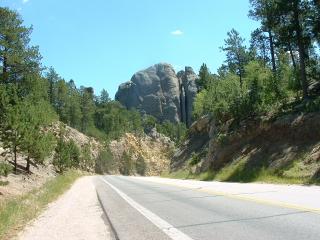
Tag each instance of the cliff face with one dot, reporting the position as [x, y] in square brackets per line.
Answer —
[160, 92]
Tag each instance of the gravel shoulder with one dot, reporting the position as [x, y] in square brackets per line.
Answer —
[75, 215]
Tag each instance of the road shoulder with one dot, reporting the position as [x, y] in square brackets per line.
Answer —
[75, 215]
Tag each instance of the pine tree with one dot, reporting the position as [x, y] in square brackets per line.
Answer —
[259, 46]
[265, 11]
[16, 57]
[104, 97]
[205, 77]
[52, 77]
[87, 108]
[237, 56]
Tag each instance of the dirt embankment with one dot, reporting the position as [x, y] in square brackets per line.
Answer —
[289, 146]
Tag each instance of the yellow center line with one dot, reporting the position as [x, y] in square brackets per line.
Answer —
[245, 198]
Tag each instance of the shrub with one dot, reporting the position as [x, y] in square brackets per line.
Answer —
[105, 162]
[175, 131]
[126, 167]
[141, 166]
[5, 169]
[67, 155]
[195, 159]
[86, 161]
[222, 139]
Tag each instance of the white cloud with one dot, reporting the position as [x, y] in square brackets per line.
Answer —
[177, 32]
[25, 1]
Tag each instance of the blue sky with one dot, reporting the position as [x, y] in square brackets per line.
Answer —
[101, 43]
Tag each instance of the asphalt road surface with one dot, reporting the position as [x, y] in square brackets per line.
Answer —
[141, 209]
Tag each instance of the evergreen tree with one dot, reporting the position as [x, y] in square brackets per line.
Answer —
[52, 78]
[14, 40]
[61, 100]
[236, 53]
[265, 11]
[259, 45]
[87, 108]
[104, 97]
[73, 105]
[205, 77]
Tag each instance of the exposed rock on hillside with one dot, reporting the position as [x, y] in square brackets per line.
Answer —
[160, 92]
[142, 155]
[288, 146]
[188, 91]
[80, 139]
[198, 140]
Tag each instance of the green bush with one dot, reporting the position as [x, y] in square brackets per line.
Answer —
[141, 166]
[222, 139]
[86, 161]
[5, 169]
[195, 159]
[105, 162]
[175, 131]
[67, 155]
[126, 167]
[226, 98]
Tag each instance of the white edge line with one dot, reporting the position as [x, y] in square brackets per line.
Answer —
[166, 227]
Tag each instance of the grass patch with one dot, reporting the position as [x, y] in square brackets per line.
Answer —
[239, 172]
[180, 174]
[17, 212]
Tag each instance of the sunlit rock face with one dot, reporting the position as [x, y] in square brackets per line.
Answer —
[160, 92]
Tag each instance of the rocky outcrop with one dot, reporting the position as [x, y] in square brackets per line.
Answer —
[160, 92]
[188, 91]
[147, 155]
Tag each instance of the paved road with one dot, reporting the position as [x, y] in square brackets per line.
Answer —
[143, 209]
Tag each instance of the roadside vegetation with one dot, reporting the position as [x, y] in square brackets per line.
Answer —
[17, 211]
[235, 173]
[276, 75]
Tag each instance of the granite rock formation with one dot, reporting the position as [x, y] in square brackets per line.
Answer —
[160, 92]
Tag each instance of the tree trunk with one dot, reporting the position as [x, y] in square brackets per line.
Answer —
[273, 60]
[15, 157]
[28, 165]
[301, 48]
[292, 57]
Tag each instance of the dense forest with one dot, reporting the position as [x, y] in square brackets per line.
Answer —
[277, 73]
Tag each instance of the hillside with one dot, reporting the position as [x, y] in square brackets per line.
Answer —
[22, 181]
[282, 149]
[146, 155]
